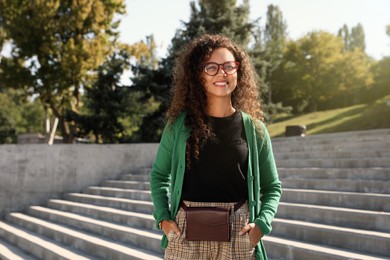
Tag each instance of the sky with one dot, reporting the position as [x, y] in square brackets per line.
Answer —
[163, 17]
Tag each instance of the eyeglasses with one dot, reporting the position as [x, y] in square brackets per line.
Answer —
[229, 67]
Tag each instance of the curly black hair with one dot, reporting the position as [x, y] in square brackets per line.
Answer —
[189, 94]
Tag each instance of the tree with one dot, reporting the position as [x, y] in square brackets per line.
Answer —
[275, 41]
[353, 39]
[317, 73]
[344, 34]
[104, 101]
[353, 78]
[18, 115]
[54, 46]
[358, 37]
[110, 109]
[381, 73]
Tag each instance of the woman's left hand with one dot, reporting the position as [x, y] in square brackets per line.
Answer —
[253, 231]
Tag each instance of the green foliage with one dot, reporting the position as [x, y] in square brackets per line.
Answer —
[18, 116]
[381, 86]
[55, 44]
[275, 42]
[354, 39]
[316, 73]
[268, 49]
[104, 102]
[210, 16]
[358, 38]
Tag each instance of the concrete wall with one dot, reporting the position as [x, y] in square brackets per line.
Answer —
[32, 174]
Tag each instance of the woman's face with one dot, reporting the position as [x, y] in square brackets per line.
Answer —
[220, 80]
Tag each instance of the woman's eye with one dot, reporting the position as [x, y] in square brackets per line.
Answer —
[211, 68]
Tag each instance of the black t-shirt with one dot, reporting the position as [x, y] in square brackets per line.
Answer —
[220, 173]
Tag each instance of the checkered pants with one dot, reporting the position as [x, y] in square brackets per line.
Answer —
[239, 247]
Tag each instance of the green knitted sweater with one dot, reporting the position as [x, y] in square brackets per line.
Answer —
[264, 187]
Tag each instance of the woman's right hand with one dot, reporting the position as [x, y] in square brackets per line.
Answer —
[170, 226]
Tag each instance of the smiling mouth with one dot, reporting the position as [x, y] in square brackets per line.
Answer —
[221, 83]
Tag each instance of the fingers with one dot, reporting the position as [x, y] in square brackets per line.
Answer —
[176, 229]
[246, 228]
[169, 226]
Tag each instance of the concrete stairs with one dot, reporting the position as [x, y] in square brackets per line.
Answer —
[111, 221]
[336, 197]
[335, 205]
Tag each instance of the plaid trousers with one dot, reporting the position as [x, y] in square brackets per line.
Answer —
[239, 247]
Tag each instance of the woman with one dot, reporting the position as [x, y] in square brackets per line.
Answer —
[215, 152]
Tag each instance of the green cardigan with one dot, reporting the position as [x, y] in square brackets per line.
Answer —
[167, 174]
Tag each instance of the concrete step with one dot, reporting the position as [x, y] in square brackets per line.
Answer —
[332, 154]
[362, 186]
[142, 176]
[335, 163]
[37, 245]
[122, 184]
[311, 140]
[335, 173]
[368, 242]
[118, 203]
[343, 135]
[93, 244]
[120, 193]
[144, 171]
[139, 237]
[375, 133]
[11, 252]
[340, 146]
[340, 217]
[352, 200]
[289, 249]
[124, 217]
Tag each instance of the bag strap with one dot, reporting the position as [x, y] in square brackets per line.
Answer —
[236, 206]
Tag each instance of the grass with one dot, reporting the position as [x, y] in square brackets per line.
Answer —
[374, 115]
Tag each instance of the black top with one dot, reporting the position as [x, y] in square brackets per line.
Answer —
[220, 173]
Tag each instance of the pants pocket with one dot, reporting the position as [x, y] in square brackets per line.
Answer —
[243, 242]
[171, 235]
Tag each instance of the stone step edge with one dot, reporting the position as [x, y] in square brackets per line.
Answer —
[40, 241]
[375, 159]
[89, 238]
[124, 181]
[330, 252]
[366, 194]
[100, 208]
[116, 189]
[332, 169]
[360, 133]
[353, 231]
[9, 251]
[107, 198]
[325, 180]
[347, 210]
[284, 155]
[68, 215]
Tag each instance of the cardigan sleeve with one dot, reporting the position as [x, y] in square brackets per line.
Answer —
[160, 177]
[270, 186]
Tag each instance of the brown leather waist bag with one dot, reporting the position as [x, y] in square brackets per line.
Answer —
[208, 223]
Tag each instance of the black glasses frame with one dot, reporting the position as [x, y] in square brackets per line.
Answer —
[219, 66]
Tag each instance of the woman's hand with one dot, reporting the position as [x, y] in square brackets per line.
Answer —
[253, 231]
[168, 226]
